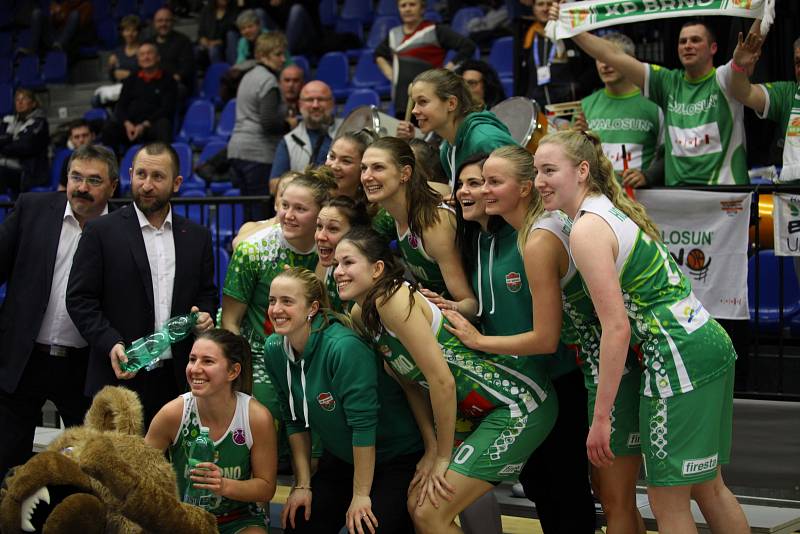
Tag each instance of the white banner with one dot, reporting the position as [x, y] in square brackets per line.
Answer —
[706, 232]
[786, 223]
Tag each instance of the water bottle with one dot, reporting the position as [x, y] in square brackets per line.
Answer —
[201, 450]
[146, 351]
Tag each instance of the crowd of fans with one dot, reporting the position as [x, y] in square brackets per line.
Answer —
[457, 195]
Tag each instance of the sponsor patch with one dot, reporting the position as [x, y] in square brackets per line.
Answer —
[474, 405]
[511, 469]
[699, 465]
[326, 401]
[697, 141]
[690, 313]
[634, 440]
[513, 282]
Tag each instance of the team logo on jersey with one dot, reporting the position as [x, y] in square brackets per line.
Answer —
[326, 401]
[474, 405]
[699, 465]
[634, 440]
[385, 351]
[513, 282]
[413, 241]
[511, 469]
[238, 436]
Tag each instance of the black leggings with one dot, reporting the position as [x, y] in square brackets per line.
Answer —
[333, 490]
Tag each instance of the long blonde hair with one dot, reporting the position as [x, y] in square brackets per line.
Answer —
[521, 162]
[586, 146]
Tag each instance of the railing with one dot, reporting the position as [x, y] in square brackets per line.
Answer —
[769, 370]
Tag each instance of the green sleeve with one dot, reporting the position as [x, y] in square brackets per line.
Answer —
[354, 373]
[780, 95]
[657, 84]
[243, 272]
[383, 223]
[275, 363]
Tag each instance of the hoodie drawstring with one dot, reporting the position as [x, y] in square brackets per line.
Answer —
[491, 266]
[302, 385]
[480, 276]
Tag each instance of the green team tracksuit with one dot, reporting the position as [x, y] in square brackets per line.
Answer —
[338, 389]
[704, 137]
[629, 120]
[580, 329]
[232, 453]
[687, 385]
[510, 398]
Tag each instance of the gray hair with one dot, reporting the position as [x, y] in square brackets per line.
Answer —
[622, 41]
[248, 16]
[98, 153]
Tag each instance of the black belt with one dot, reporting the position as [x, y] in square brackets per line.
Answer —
[59, 351]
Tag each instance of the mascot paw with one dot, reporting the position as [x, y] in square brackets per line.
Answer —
[81, 513]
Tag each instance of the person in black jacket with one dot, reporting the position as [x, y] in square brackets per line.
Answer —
[24, 138]
[146, 104]
[176, 51]
[217, 18]
[42, 354]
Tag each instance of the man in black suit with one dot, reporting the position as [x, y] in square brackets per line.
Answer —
[135, 269]
[42, 354]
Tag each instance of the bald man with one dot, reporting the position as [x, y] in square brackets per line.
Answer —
[310, 141]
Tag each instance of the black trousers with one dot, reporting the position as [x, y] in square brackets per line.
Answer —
[333, 490]
[556, 476]
[114, 134]
[57, 378]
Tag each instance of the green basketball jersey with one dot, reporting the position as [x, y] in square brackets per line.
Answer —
[781, 98]
[483, 381]
[424, 268]
[629, 120]
[333, 292]
[704, 137]
[232, 451]
[679, 344]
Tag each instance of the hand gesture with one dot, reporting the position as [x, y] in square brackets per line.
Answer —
[634, 178]
[598, 442]
[554, 11]
[580, 123]
[117, 355]
[748, 51]
[438, 486]
[207, 475]
[439, 300]
[360, 511]
[298, 498]
[462, 329]
[422, 474]
[405, 130]
[204, 320]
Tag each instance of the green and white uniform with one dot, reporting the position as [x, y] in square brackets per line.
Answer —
[783, 106]
[255, 262]
[684, 351]
[510, 398]
[333, 292]
[384, 224]
[580, 330]
[630, 120]
[704, 126]
[424, 268]
[232, 456]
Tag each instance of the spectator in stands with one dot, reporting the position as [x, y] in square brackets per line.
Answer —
[308, 143]
[217, 18]
[483, 82]
[629, 125]
[259, 121]
[415, 46]
[44, 355]
[291, 81]
[146, 104]
[24, 138]
[176, 51]
[80, 134]
[135, 269]
[123, 62]
[68, 23]
[249, 25]
[551, 72]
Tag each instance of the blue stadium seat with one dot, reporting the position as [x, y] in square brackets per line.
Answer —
[380, 29]
[6, 70]
[348, 25]
[198, 123]
[6, 44]
[451, 54]
[185, 156]
[59, 158]
[212, 148]
[508, 86]
[302, 62]
[107, 34]
[333, 70]
[387, 8]
[501, 56]
[769, 290]
[227, 119]
[54, 69]
[462, 18]
[327, 12]
[96, 114]
[27, 73]
[101, 9]
[23, 38]
[125, 7]
[194, 212]
[357, 9]
[210, 86]
[4, 211]
[367, 75]
[221, 260]
[148, 8]
[6, 98]
[433, 16]
[361, 97]
[230, 217]
[125, 167]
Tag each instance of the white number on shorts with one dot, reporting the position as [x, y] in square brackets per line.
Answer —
[463, 453]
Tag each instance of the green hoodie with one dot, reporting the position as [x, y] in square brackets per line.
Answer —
[339, 389]
[481, 131]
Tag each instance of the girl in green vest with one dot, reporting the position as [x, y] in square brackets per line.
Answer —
[245, 470]
[329, 381]
[635, 294]
[508, 399]
[425, 226]
[335, 219]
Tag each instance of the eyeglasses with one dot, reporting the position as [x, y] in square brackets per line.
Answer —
[310, 99]
[92, 181]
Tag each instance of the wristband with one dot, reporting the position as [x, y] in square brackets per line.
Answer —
[302, 487]
[738, 68]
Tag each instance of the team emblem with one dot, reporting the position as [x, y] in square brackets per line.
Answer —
[326, 401]
[513, 282]
[413, 241]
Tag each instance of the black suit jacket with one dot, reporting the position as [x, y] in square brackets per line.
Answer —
[110, 291]
[28, 244]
